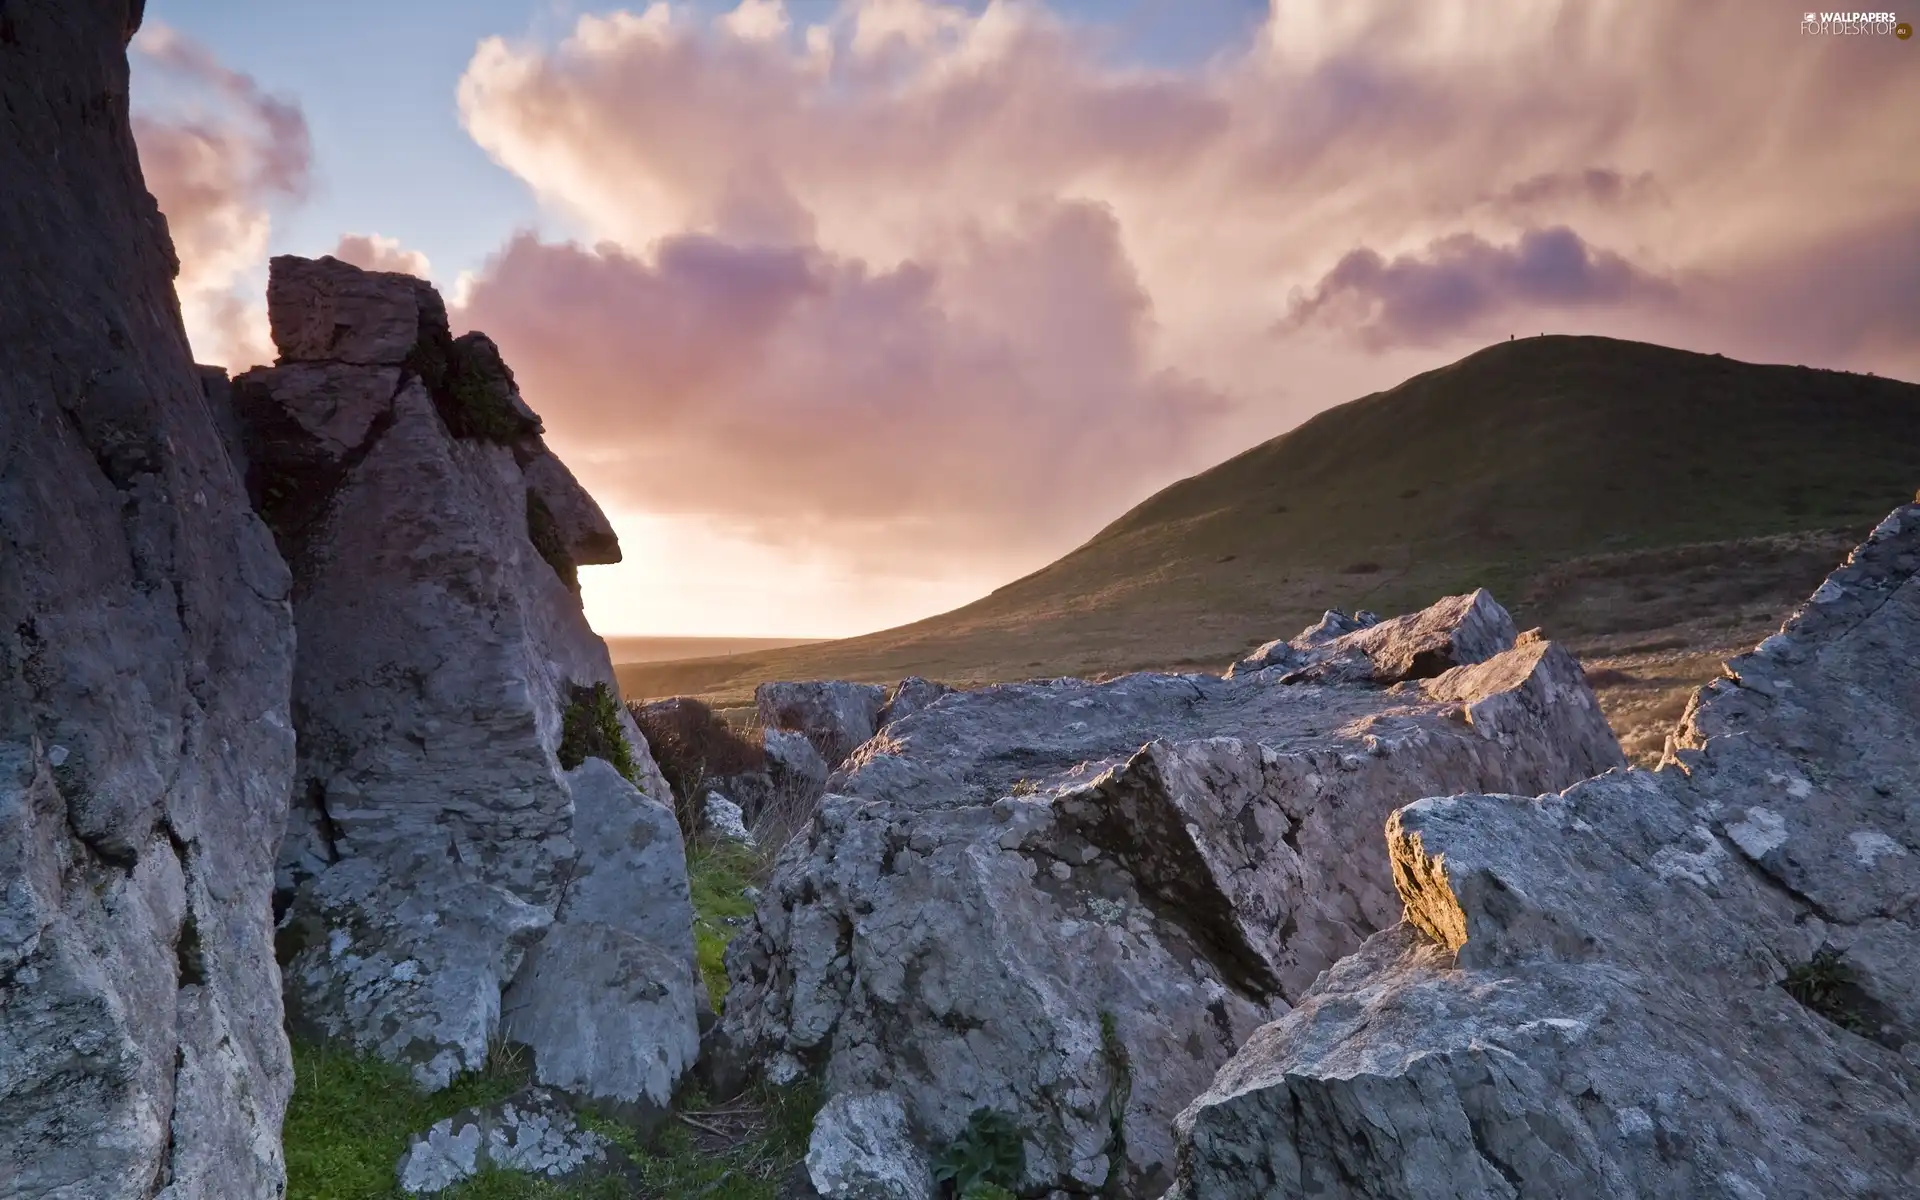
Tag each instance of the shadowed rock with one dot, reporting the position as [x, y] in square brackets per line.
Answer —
[146, 654]
[1071, 902]
[834, 715]
[1691, 982]
[453, 872]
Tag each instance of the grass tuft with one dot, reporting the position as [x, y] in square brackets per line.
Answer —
[719, 873]
[590, 728]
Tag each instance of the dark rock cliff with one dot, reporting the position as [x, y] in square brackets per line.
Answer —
[146, 652]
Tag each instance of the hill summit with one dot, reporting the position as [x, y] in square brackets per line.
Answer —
[1501, 470]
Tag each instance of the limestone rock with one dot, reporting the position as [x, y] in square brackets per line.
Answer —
[1298, 650]
[796, 772]
[444, 871]
[325, 310]
[584, 530]
[532, 1132]
[1071, 902]
[1691, 982]
[146, 655]
[834, 715]
[909, 696]
[726, 819]
[608, 1000]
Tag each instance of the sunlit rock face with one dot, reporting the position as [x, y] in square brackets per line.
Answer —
[1692, 982]
[1072, 902]
[146, 660]
[481, 845]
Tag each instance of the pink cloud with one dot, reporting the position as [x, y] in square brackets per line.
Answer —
[1459, 283]
[217, 169]
[372, 252]
[994, 400]
[919, 268]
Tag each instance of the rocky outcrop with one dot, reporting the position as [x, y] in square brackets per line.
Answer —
[1071, 902]
[146, 651]
[908, 697]
[834, 715]
[481, 845]
[1691, 982]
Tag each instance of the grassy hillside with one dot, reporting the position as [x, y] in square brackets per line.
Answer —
[1551, 470]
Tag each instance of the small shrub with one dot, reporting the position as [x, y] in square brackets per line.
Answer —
[469, 383]
[590, 728]
[693, 745]
[990, 1152]
[1024, 787]
[1825, 984]
[544, 532]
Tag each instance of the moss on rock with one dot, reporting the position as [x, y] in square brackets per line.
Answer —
[590, 728]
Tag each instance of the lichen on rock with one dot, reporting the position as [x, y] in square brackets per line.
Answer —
[1072, 902]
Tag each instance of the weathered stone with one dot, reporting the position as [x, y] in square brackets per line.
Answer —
[532, 1132]
[325, 310]
[333, 405]
[865, 1151]
[1071, 902]
[1297, 651]
[441, 854]
[796, 773]
[146, 654]
[726, 819]
[584, 530]
[1594, 991]
[909, 696]
[835, 716]
[608, 1001]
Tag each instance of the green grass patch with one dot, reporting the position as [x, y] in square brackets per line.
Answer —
[351, 1117]
[718, 875]
[700, 1153]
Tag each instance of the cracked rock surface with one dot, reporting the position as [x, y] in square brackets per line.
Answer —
[1696, 982]
[447, 879]
[146, 656]
[1071, 902]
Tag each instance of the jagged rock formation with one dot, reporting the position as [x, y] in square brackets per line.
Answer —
[454, 872]
[1071, 902]
[1692, 982]
[146, 650]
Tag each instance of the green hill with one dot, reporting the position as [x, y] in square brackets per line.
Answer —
[1552, 470]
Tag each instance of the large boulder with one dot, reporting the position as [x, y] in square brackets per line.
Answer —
[463, 863]
[1692, 982]
[1071, 902]
[146, 656]
[834, 715]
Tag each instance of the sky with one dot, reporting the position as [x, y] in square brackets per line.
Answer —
[849, 311]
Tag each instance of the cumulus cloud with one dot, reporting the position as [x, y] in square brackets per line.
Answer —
[1462, 280]
[970, 239]
[372, 252]
[217, 160]
[988, 400]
